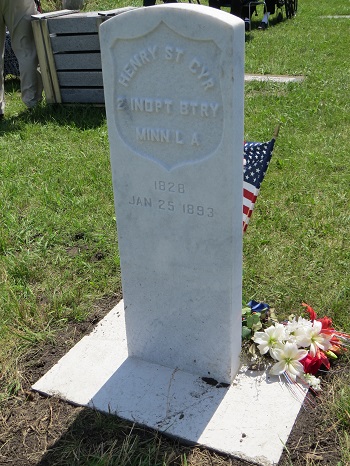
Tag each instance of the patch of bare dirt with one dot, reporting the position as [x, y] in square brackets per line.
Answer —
[38, 430]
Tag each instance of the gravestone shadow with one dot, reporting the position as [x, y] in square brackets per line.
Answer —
[81, 116]
[93, 432]
[160, 397]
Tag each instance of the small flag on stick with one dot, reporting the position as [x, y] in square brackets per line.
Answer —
[257, 156]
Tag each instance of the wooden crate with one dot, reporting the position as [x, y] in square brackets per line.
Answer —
[69, 54]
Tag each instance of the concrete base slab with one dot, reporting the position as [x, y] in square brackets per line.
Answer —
[251, 419]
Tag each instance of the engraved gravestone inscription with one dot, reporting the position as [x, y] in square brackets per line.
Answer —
[155, 118]
[173, 79]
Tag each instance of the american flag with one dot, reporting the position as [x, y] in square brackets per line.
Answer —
[257, 156]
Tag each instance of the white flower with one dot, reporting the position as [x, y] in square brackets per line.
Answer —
[316, 339]
[296, 330]
[271, 339]
[288, 357]
[297, 323]
[313, 381]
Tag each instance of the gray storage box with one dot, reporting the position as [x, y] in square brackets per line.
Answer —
[69, 54]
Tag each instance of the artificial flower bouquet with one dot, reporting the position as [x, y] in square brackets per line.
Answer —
[299, 347]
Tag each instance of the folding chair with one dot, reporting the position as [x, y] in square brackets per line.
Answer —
[253, 4]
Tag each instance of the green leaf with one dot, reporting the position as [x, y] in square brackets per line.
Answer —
[257, 326]
[253, 319]
[256, 318]
[249, 321]
[246, 333]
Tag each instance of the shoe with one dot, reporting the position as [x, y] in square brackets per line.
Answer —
[1, 116]
[32, 104]
[247, 24]
[262, 26]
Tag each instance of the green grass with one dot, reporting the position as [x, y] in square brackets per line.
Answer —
[58, 242]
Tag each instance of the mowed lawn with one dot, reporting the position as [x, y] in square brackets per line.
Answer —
[58, 237]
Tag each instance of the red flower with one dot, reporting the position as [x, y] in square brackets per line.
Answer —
[313, 364]
[311, 312]
[337, 347]
[326, 323]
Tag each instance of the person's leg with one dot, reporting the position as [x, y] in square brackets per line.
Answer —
[18, 20]
[2, 51]
[236, 8]
[265, 21]
[245, 11]
[270, 6]
[270, 10]
[215, 4]
[247, 14]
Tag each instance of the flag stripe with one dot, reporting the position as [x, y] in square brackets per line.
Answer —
[249, 195]
[257, 156]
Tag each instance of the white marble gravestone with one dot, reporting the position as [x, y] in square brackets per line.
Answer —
[173, 80]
